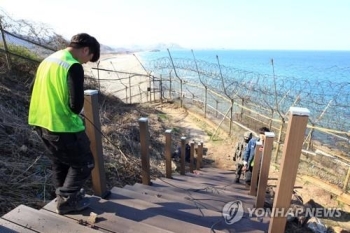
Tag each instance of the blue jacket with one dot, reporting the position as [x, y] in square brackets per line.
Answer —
[249, 152]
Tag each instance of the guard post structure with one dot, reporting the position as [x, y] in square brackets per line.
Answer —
[295, 135]
[264, 169]
[192, 157]
[199, 156]
[144, 141]
[255, 173]
[92, 129]
[183, 154]
[168, 153]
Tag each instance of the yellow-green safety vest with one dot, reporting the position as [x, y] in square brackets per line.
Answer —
[49, 105]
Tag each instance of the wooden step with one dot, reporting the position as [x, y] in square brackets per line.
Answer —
[201, 188]
[10, 227]
[217, 171]
[204, 213]
[192, 215]
[185, 198]
[165, 216]
[157, 198]
[219, 184]
[109, 217]
[44, 221]
[203, 200]
[223, 176]
[177, 207]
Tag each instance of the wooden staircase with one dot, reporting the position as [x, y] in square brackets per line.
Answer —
[191, 203]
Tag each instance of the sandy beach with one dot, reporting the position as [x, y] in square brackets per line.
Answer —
[117, 73]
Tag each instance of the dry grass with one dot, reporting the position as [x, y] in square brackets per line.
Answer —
[25, 172]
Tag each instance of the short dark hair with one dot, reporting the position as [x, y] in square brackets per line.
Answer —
[85, 40]
[264, 129]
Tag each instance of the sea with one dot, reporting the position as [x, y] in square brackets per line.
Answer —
[325, 75]
[319, 65]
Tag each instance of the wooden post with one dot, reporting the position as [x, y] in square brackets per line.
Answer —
[199, 156]
[183, 154]
[255, 173]
[345, 187]
[168, 153]
[192, 157]
[264, 169]
[216, 108]
[93, 131]
[298, 118]
[144, 141]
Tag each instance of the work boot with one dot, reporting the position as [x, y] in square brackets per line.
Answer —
[75, 202]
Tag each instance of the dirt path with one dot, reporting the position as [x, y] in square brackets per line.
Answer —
[218, 153]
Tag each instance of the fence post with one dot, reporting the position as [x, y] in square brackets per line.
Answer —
[130, 90]
[345, 187]
[5, 46]
[264, 169]
[255, 173]
[144, 141]
[270, 123]
[205, 102]
[192, 157]
[153, 89]
[199, 156]
[168, 153]
[231, 117]
[298, 118]
[279, 140]
[183, 154]
[98, 75]
[126, 94]
[170, 95]
[93, 128]
[161, 89]
[216, 108]
[181, 96]
[242, 110]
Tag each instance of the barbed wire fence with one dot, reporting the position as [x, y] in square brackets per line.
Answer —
[223, 94]
[256, 100]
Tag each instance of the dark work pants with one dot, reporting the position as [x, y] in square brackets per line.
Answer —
[248, 175]
[71, 157]
[239, 168]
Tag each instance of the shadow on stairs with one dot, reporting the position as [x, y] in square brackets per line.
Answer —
[191, 203]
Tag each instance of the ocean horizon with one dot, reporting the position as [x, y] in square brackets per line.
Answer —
[301, 64]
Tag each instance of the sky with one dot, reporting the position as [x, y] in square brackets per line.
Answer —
[196, 24]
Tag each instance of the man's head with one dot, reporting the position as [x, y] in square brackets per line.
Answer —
[84, 48]
[247, 136]
[262, 131]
